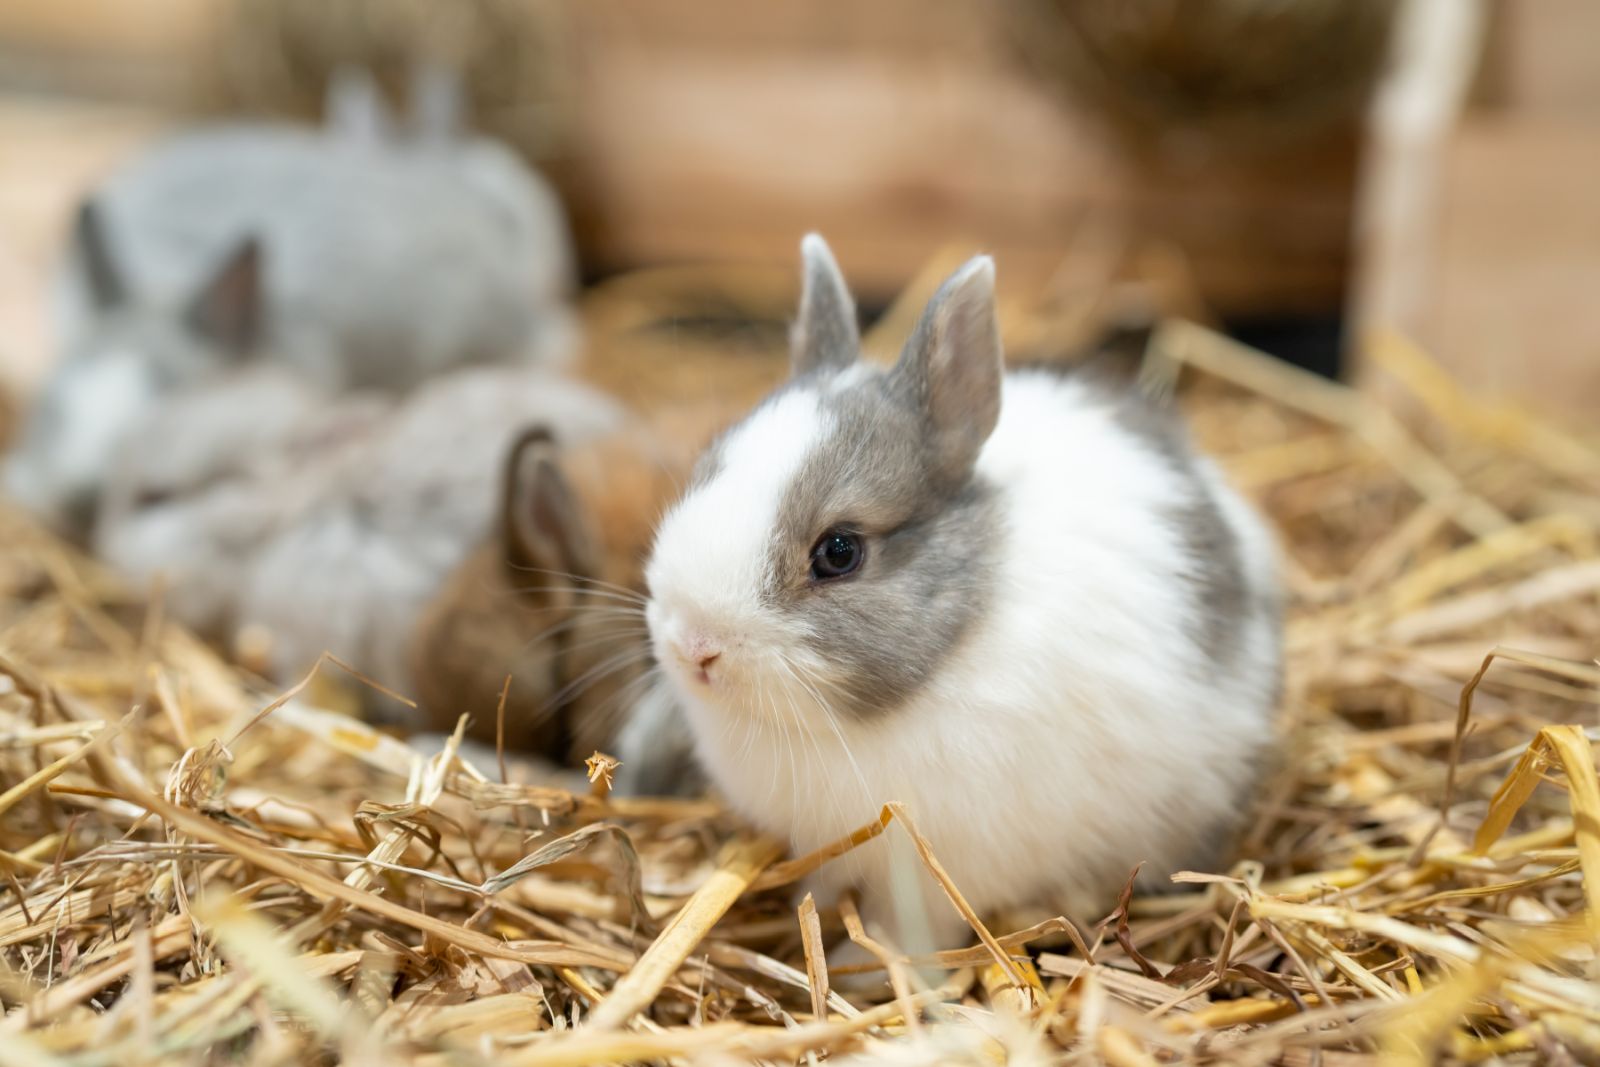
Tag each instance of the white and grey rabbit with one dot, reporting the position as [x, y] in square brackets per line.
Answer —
[328, 523]
[1016, 602]
[360, 258]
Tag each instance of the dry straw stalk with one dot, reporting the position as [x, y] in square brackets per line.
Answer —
[192, 871]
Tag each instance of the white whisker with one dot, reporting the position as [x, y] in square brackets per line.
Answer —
[600, 586]
[629, 691]
[634, 602]
[812, 685]
[595, 674]
[563, 626]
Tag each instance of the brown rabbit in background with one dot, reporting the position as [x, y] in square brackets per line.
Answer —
[553, 599]
[553, 596]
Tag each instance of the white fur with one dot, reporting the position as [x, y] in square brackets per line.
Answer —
[713, 548]
[1075, 731]
[51, 480]
[849, 378]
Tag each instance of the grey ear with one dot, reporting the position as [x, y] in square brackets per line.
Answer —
[437, 107]
[226, 312]
[100, 269]
[952, 368]
[355, 108]
[824, 335]
[543, 520]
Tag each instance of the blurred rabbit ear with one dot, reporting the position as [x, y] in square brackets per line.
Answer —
[824, 336]
[226, 312]
[437, 107]
[544, 523]
[355, 108]
[952, 368]
[100, 269]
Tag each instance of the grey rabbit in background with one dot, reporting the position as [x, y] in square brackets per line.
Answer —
[357, 256]
[328, 523]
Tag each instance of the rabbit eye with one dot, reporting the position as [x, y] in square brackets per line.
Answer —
[837, 554]
[152, 498]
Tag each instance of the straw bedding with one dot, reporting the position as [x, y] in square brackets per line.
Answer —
[198, 870]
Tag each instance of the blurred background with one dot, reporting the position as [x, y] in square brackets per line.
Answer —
[1293, 170]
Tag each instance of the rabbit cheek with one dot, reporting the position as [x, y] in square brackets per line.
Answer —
[870, 642]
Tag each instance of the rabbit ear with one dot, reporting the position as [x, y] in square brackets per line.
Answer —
[437, 108]
[544, 524]
[824, 335]
[226, 312]
[100, 269]
[952, 367]
[355, 107]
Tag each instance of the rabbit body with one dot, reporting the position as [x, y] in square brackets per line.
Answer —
[385, 262]
[1017, 603]
[553, 598]
[373, 264]
[329, 524]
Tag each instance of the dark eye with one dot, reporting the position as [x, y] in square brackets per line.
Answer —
[836, 555]
[152, 498]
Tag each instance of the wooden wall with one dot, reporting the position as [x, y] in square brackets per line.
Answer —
[723, 129]
[1513, 292]
[719, 129]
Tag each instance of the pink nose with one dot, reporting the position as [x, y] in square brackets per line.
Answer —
[699, 651]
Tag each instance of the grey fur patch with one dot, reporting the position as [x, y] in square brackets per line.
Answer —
[931, 549]
[1225, 602]
[1221, 591]
[1221, 595]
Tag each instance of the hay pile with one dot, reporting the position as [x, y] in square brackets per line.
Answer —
[1250, 72]
[198, 871]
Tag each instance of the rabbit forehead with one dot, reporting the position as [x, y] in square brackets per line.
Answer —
[712, 550]
[844, 450]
